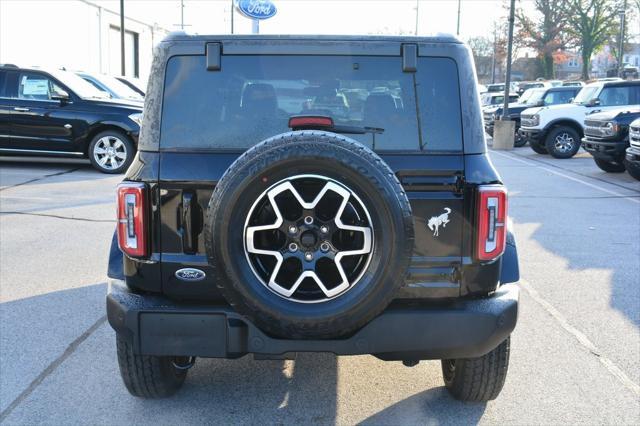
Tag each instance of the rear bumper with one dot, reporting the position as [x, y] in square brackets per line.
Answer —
[464, 329]
[606, 150]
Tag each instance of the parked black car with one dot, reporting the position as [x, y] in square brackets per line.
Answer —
[57, 113]
[529, 99]
[265, 215]
[606, 137]
[632, 157]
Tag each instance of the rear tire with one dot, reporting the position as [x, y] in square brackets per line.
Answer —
[562, 142]
[538, 148]
[477, 379]
[147, 376]
[610, 166]
[633, 169]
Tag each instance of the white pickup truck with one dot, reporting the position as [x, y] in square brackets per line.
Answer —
[558, 129]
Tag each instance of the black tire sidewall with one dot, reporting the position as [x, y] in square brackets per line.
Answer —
[124, 138]
[538, 148]
[633, 169]
[609, 166]
[229, 209]
[550, 142]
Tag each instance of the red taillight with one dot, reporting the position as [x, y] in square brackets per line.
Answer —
[492, 222]
[132, 219]
[310, 122]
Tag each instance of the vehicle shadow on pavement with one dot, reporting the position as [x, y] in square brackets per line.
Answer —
[432, 406]
[246, 391]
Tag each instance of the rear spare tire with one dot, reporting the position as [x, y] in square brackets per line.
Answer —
[310, 233]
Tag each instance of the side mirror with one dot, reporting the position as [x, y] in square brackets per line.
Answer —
[594, 102]
[571, 100]
[540, 103]
[61, 96]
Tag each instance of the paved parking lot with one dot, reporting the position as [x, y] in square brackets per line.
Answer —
[576, 350]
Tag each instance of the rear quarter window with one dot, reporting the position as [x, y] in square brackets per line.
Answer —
[253, 97]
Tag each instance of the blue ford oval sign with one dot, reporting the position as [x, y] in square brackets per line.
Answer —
[257, 9]
[190, 274]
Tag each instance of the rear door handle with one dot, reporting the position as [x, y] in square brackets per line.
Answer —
[189, 223]
[21, 109]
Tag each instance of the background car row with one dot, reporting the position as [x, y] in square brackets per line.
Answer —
[62, 113]
[558, 120]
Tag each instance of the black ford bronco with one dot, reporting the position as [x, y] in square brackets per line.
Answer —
[312, 194]
[606, 137]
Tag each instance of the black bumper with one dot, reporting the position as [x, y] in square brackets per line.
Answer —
[606, 150]
[464, 329]
[531, 135]
[632, 155]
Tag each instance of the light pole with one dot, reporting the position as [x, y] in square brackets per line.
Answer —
[182, 15]
[621, 13]
[504, 128]
[507, 79]
[458, 26]
[122, 67]
[417, 13]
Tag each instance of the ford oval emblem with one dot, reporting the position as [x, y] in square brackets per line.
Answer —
[190, 274]
[257, 9]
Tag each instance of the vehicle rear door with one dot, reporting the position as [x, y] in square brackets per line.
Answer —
[37, 120]
[211, 117]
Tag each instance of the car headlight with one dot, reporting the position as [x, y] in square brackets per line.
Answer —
[136, 118]
[535, 120]
[610, 129]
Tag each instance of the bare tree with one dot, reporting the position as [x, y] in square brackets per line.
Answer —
[545, 35]
[591, 24]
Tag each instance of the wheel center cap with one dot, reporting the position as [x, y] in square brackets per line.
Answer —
[308, 239]
[110, 151]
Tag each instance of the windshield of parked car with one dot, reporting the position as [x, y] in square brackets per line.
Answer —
[535, 95]
[253, 98]
[586, 94]
[121, 90]
[78, 85]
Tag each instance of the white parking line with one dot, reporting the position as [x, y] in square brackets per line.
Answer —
[581, 338]
[555, 172]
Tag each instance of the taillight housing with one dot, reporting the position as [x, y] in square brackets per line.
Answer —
[132, 219]
[491, 225]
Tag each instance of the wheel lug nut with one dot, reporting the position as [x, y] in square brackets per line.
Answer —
[324, 229]
[325, 247]
[308, 220]
[293, 229]
[308, 256]
[293, 247]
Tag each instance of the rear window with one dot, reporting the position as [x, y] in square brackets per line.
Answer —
[252, 98]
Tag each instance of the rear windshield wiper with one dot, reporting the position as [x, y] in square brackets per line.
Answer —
[323, 122]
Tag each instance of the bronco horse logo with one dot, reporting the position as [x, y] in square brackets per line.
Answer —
[436, 221]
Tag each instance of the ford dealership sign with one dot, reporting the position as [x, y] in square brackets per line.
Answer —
[257, 9]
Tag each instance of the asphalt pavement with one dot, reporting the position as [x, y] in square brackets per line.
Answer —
[575, 352]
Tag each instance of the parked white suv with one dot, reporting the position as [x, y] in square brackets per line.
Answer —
[558, 129]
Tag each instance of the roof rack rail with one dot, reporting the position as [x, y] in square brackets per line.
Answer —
[8, 66]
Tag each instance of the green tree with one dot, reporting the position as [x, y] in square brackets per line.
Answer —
[591, 23]
[545, 35]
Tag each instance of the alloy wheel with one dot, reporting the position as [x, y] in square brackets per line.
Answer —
[308, 238]
[564, 142]
[110, 152]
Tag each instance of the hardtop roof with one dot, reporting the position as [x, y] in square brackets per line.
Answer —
[436, 38]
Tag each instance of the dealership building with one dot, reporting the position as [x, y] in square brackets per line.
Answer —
[80, 35]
